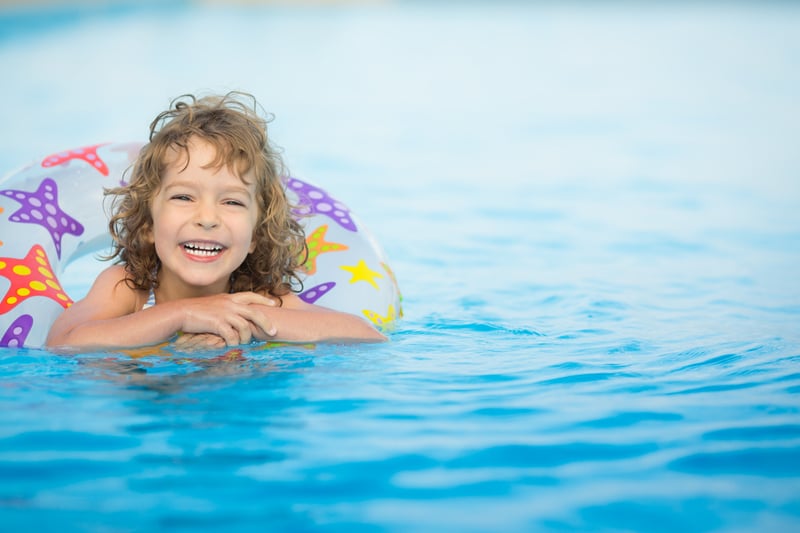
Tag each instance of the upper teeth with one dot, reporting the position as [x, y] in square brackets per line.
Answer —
[205, 249]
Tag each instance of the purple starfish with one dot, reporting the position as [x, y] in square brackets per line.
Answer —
[17, 332]
[41, 207]
[315, 201]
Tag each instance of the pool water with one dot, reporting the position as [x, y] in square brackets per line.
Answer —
[593, 212]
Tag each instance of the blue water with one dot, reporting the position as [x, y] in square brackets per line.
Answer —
[593, 211]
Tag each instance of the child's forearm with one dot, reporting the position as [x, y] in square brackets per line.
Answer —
[160, 323]
[144, 328]
[319, 325]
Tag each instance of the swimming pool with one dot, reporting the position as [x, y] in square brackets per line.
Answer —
[593, 214]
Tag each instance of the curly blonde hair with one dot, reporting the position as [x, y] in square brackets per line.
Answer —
[233, 125]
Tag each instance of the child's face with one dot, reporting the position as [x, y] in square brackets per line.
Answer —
[203, 223]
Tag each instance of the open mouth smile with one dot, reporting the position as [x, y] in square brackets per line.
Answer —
[202, 249]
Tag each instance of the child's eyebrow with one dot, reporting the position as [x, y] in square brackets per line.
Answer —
[192, 185]
[179, 185]
[240, 190]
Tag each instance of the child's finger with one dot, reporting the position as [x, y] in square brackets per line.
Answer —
[261, 321]
[241, 327]
[265, 325]
[229, 334]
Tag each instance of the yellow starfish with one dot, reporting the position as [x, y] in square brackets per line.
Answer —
[361, 272]
[383, 323]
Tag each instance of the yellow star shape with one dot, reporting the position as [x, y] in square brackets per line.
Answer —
[361, 272]
[383, 323]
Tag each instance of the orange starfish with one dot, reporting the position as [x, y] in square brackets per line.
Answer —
[31, 276]
[318, 245]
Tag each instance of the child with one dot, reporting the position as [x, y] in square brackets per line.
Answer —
[205, 243]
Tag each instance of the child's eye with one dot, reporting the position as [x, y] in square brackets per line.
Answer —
[181, 197]
[236, 203]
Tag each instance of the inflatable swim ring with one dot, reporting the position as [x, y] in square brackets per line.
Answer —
[51, 213]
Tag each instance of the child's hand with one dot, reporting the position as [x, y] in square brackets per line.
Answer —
[233, 317]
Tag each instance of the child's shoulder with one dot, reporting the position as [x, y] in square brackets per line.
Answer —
[115, 282]
[113, 273]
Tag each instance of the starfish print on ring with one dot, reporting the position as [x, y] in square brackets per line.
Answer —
[41, 207]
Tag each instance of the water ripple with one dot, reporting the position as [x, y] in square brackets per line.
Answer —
[444, 324]
[631, 418]
[524, 456]
[772, 462]
[587, 377]
[65, 441]
[756, 433]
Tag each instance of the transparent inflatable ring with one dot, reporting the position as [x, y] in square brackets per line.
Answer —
[51, 213]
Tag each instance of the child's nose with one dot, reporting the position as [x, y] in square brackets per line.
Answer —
[206, 215]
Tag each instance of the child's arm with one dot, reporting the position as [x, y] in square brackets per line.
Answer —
[298, 321]
[109, 316]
